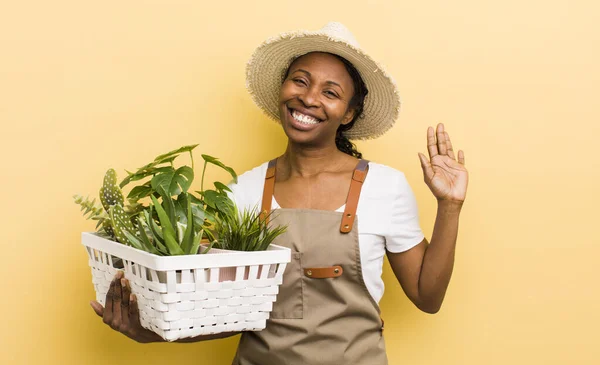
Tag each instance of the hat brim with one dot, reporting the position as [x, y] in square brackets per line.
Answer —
[264, 76]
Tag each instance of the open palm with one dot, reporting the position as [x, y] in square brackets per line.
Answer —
[446, 177]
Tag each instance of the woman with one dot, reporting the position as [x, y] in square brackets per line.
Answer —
[343, 213]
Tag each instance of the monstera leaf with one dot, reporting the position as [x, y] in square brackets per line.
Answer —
[174, 182]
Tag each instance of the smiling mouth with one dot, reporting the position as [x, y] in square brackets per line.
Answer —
[303, 118]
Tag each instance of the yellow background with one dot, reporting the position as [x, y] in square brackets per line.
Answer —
[88, 85]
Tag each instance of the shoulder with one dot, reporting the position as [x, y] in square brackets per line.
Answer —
[247, 191]
[382, 178]
[253, 175]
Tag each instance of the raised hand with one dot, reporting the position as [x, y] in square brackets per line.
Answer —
[446, 177]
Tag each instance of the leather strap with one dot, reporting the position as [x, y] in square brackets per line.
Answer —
[268, 190]
[358, 178]
[323, 272]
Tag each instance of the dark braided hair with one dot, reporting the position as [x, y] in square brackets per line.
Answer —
[357, 103]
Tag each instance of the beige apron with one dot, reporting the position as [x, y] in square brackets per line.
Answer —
[324, 313]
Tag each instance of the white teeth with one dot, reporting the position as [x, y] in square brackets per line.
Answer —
[304, 118]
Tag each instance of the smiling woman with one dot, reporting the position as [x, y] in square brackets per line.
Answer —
[344, 93]
[315, 99]
[343, 213]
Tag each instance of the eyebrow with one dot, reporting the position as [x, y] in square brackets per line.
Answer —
[329, 82]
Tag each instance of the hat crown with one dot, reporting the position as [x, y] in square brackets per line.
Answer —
[266, 67]
[339, 31]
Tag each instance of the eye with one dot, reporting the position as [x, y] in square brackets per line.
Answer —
[330, 94]
[299, 81]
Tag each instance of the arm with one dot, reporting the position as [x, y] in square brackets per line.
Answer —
[424, 271]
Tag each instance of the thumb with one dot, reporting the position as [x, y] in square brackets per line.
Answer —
[97, 307]
[426, 166]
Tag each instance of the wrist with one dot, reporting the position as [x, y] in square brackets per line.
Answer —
[450, 205]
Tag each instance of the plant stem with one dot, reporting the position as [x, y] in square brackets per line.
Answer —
[192, 158]
[202, 182]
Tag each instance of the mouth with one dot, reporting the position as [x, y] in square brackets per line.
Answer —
[303, 119]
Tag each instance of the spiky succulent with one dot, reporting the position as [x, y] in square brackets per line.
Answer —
[245, 231]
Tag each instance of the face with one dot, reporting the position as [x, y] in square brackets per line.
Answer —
[314, 99]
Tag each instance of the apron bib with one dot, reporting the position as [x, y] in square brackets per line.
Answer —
[324, 313]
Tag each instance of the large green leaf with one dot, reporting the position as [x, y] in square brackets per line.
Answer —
[145, 171]
[176, 152]
[168, 229]
[196, 243]
[199, 215]
[145, 239]
[221, 187]
[139, 192]
[217, 200]
[174, 182]
[181, 208]
[157, 235]
[187, 241]
[168, 205]
[154, 228]
[215, 161]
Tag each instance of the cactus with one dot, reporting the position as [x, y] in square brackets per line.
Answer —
[122, 226]
[110, 192]
[112, 196]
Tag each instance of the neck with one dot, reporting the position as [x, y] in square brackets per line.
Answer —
[305, 162]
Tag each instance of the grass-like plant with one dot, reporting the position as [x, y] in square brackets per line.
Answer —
[245, 231]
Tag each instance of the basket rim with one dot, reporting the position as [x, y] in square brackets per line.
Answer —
[275, 254]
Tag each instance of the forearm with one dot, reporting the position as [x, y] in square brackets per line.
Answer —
[438, 260]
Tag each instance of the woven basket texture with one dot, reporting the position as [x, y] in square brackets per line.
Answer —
[192, 295]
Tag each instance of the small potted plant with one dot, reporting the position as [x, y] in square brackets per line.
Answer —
[162, 236]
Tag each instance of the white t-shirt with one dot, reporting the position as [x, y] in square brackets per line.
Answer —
[387, 216]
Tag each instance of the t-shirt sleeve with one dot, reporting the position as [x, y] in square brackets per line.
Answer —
[234, 189]
[403, 231]
[247, 192]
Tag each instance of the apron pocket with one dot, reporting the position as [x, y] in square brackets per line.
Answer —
[290, 303]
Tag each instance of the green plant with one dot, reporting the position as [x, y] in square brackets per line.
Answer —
[96, 212]
[177, 223]
[245, 231]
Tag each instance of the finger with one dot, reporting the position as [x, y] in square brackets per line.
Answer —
[126, 292]
[441, 139]
[109, 309]
[97, 307]
[117, 298]
[431, 145]
[426, 166]
[134, 312]
[449, 148]
[108, 303]
[461, 157]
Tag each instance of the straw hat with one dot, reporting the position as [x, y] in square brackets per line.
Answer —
[266, 69]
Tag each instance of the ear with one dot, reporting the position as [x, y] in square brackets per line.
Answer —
[349, 116]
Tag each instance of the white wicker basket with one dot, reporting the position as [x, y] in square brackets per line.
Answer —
[191, 295]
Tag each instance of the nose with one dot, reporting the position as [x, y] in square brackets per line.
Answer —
[309, 97]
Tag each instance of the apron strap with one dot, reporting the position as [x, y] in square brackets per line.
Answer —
[268, 190]
[358, 178]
